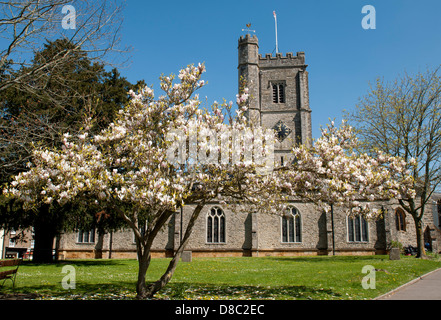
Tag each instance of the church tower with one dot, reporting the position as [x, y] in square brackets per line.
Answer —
[279, 95]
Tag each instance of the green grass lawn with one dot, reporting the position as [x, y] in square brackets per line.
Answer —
[317, 278]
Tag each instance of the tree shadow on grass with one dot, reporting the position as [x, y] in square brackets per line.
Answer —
[183, 290]
[330, 259]
[79, 263]
[81, 291]
[173, 291]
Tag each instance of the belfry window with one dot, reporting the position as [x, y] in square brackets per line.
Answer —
[216, 226]
[278, 93]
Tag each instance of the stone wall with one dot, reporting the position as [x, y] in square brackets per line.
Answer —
[254, 234]
[119, 244]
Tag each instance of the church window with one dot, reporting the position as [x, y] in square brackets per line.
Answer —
[291, 226]
[357, 229]
[278, 93]
[400, 219]
[216, 225]
[86, 236]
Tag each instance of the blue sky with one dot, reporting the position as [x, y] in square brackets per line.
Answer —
[342, 56]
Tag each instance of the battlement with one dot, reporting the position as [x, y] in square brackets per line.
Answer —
[289, 55]
[248, 39]
[280, 59]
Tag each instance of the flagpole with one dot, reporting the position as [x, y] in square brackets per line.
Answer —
[275, 22]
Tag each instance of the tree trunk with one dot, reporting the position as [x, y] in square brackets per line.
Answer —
[166, 277]
[99, 245]
[44, 240]
[421, 253]
[143, 290]
[143, 264]
[44, 234]
[418, 220]
[143, 253]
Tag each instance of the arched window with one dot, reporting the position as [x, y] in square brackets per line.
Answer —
[400, 219]
[291, 226]
[357, 229]
[216, 225]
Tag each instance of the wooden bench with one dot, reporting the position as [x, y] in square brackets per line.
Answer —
[11, 273]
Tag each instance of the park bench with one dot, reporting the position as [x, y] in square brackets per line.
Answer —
[11, 273]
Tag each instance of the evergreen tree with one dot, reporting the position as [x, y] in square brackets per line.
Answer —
[66, 96]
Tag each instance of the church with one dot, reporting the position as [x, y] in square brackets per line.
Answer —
[279, 99]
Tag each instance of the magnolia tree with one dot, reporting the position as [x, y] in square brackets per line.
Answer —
[332, 174]
[163, 153]
[160, 154]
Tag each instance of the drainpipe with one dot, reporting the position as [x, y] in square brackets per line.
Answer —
[2, 241]
[110, 244]
[332, 226]
[180, 233]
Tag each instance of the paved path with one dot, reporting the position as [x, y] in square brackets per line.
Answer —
[427, 287]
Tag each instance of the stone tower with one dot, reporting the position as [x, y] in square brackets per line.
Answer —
[279, 95]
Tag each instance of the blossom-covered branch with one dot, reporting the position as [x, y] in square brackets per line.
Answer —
[124, 169]
[332, 173]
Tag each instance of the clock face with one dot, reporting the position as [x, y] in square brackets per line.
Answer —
[282, 130]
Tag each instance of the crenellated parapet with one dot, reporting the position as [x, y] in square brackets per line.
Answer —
[280, 60]
[249, 38]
